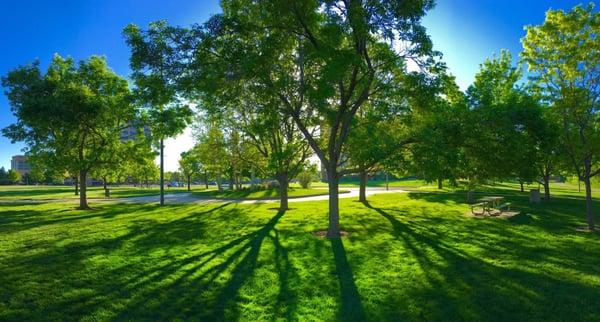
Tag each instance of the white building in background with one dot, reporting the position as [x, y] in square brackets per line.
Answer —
[19, 163]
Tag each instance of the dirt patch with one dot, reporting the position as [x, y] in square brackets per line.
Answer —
[504, 214]
[323, 233]
[585, 229]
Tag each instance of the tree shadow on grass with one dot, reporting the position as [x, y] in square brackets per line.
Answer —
[193, 288]
[351, 305]
[19, 220]
[463, 286]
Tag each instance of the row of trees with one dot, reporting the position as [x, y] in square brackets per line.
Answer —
[9, 177]
[72, 118]
[334, 76]
[355, 83]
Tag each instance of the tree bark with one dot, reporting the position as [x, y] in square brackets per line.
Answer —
[522, 188]
[547, 187]
[162, 172]
[76, 181]
[283, 191]
[231, 185]
[83, 191]
[106, 192]
[206, 179]
[333, 231]
[440, 183]
[189, 181]
[387, 181]
[219, 185]
[362, 191]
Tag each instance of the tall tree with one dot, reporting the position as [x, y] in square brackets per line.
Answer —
[510, 132]
[321, 59]
[438, 127]
[563, 56]
[153, 63]
[73, 114]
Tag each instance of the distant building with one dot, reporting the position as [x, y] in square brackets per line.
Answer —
[131, 133]
[19, 163]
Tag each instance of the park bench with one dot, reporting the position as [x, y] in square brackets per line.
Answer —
[504, 206]
[478, 205]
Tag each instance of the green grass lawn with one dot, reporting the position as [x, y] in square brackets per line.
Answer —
[293, 192]
[375, 183]
[67, 192]
[409, 256]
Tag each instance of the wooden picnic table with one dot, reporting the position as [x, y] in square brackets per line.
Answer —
[488, 204]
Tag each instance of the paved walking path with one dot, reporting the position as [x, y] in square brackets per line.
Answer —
[184, 198]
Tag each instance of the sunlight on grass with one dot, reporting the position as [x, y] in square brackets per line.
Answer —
[66, 192]
[408, 257]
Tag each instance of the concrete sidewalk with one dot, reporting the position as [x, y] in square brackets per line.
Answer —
[184, 198]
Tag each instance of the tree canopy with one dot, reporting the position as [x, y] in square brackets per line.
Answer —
[72, 115]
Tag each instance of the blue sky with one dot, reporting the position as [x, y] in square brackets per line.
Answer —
[466, 32]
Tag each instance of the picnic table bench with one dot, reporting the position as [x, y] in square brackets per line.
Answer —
[491, 205]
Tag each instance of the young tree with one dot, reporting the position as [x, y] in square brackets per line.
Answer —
[376, 137]
[3, 176]
[212, 154]
[73, 114]
[155, 85]
[563, 56]
[190, 166]
[307, 176]
[13, 176]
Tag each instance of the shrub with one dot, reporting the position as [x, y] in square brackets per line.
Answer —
[304, 179]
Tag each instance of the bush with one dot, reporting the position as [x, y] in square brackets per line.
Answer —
[273, 184]
[304, 179]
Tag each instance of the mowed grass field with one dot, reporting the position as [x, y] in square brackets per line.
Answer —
[293, 192]
[68, 192]
[409, 256]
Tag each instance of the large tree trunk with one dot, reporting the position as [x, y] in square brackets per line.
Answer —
[547, 187]
[440, 183]
[162, 172]
[283, 190]
[362, 190]
[219, 185]
[106, 192]
[333, 231]
[76, 181]
[189, 181]
[83, 190]
[231, 183]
